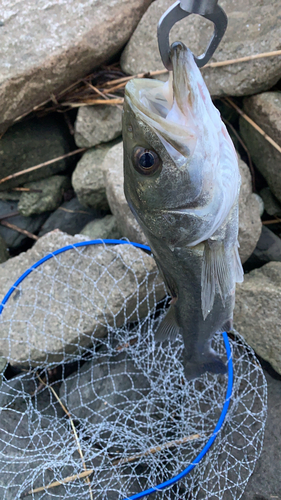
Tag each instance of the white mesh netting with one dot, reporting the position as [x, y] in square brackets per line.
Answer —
[109, 417]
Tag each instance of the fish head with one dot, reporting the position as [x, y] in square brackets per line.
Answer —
[172, 138]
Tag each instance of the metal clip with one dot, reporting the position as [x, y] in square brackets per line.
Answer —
[183, 8]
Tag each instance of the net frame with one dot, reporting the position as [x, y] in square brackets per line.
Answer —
[228, 394]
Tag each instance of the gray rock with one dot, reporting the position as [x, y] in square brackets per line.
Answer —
[97, 124]
[257, 312]
[10, 195]
[268, 249]
[114, 179]
[4, 254]
[260, 202]
[67, 42]
[71, 300]
[265, 110]
[252, 29]
[70, 218]
[31, 143]
[48, 199]
[13, 238]
[3, 364]
[271, 204]
[264, 484]
[105, 228]
[107, 390]
[88, 178]
[250, 224]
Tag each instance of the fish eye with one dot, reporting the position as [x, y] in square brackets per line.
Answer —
[146, 161]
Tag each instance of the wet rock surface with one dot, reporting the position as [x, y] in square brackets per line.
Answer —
[252, 29]
[268, 249]
[265, 110]
[68, 40]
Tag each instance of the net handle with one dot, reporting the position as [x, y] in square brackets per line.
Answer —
[221, 420]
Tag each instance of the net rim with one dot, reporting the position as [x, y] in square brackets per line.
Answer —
[228, 395]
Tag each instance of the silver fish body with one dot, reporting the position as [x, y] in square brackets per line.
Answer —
[181, 181]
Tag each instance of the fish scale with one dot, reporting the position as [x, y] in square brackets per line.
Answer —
[185, 198]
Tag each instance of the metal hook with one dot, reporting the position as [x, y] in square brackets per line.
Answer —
[183, 8]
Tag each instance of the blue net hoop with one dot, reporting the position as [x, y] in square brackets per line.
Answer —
[228, 394]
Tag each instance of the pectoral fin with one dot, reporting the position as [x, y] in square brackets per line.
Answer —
[220, 271]
[168, 328]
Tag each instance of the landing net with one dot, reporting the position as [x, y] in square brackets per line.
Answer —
[103, 412]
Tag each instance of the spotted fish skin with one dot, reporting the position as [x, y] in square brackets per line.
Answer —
[181, 181]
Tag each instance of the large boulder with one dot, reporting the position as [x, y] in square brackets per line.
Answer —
[257, 312]
[265, 110]
[47, 46]
[72, 299]
[252, 29]
[31, 143]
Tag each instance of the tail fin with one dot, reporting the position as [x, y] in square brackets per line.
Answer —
[211, 363]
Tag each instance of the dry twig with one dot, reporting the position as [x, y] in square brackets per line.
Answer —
[75, 436]
[87, 473]
[36, 167]
[249, 120]
[247, 152]
[18, 229]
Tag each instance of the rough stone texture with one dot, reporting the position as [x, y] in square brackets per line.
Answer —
[265, 110]
[71, 299]
[33, 142]
[4, 254]
[13, 238]
[105, 228]
[88, 178]
[250, 224]
[271, 204]
[70, 218]
[3, 364]
[97, 124]
[10, 195]
[268, 249]
[104, 388]
[47, 46]
[257, 312]
[252, 28]
[264, 484]
[114, 177]
[49, 199]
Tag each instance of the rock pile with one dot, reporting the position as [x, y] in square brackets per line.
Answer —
[81, 193]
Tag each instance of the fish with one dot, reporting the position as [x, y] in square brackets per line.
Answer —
[182, 182]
